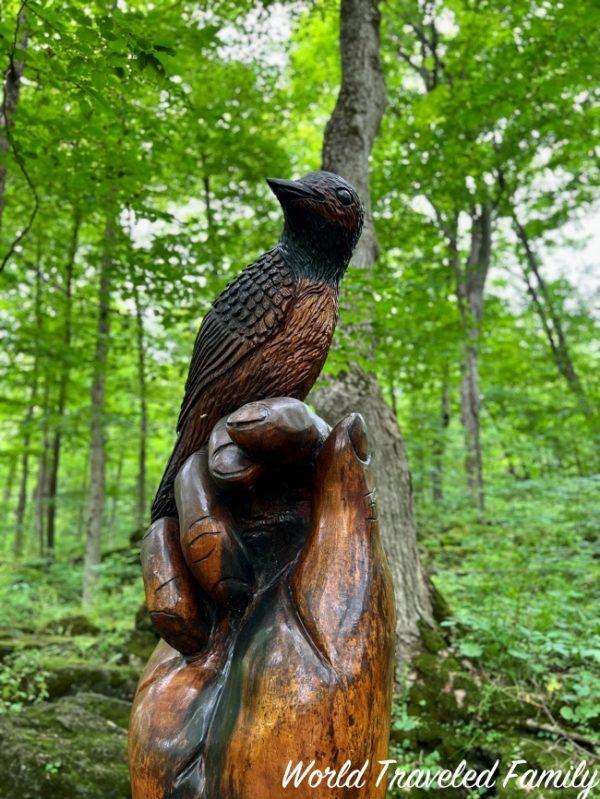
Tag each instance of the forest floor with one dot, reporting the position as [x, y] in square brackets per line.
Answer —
[511, 672]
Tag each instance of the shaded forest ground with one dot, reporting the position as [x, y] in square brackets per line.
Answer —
[510, 673]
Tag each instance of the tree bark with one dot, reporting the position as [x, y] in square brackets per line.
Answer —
[470, 293]
[28, 420]
[62, 393]
[143, 429]
[439, 443]
[347, 145]
[96, 491]
[41, 488]
[10, 100]
[22, 499]
[357, 115]
[82, 494]
[8, 485]
[116, 494]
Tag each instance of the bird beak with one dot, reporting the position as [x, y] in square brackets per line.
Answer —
[286, 190]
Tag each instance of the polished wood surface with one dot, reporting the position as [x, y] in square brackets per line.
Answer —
[269, 332]
[275, 605]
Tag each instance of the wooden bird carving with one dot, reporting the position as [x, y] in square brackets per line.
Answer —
[269, 332]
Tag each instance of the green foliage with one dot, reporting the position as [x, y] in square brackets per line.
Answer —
[522, 589]
[22, 682]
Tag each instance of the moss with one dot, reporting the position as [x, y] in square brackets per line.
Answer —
[72, 625]
[68, 675]
[139, 646]
[20, 643]
[72, 748]
[539, 754]
[440, 608]
[431, 638]
[108, 707]
[142, 639]
[454, 712]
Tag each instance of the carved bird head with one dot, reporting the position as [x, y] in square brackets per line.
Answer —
[323, 221]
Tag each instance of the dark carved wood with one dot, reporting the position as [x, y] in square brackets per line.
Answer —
[263, 568]
[278, 612]
[269, 332]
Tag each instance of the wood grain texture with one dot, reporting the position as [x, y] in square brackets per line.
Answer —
[304, 672]
[287, 363]
[269, 331]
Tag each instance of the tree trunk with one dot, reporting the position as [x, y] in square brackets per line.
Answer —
[357, 115]
[10, 101]
[439, 443]
[28, 420]
[22, 500]
[10, 481]
[82, 494]
[347, 146]
[41, 488]
[143, 434]
[116, 494]
[95, 506]
[470, 293]
[551, 321]
[62, 393]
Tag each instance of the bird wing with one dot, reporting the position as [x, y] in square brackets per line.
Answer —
[245, 314]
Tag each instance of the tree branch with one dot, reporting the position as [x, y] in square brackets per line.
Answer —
[12, 72]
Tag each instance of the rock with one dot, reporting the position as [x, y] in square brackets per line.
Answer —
[72, 625]
[19, 643]
[75, 748]
[67, 675]
[453, 711]
[142, 639]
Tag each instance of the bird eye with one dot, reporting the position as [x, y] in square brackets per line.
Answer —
[344, 196]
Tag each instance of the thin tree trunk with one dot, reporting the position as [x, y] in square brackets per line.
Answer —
[62, 392]
[96, 492]
[28, 420]
[26, 443]
[10, 100]
[439, 443]
[393, 396]
[347, 146]
[41, 489]
[8, 485]
[117, 492]
[143, 431]
[81, 513]
[550, 319]
[470, 293]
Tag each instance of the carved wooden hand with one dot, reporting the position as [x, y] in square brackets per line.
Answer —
[274, 602]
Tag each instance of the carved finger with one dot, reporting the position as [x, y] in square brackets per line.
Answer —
[229, 464]
[171, 593]
[212, 550]
[281, 430]
[342, 585]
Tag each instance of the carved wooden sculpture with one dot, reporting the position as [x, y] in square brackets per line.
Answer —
[263, 568]
[274, 601]
[269, 332]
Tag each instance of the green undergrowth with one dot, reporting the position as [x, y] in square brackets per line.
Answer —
[523, 588]
[37, 594]
[514, 670]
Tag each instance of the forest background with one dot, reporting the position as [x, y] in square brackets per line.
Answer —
[134, 142]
